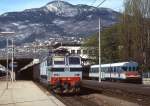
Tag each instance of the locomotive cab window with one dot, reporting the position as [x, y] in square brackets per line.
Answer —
[60, 60]
[74, 60]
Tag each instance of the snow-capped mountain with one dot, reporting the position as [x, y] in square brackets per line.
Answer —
[54, 20]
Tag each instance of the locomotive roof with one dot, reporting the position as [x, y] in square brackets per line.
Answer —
[116, 64]
[60, 51]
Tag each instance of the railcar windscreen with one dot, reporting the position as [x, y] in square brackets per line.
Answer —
[125, 68]
[74, 60]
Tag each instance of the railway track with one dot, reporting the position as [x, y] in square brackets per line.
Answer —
[131, 92]
[75, 100]
[88, 98]
[71, 99]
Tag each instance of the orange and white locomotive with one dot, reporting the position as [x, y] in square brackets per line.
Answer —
[62, 72]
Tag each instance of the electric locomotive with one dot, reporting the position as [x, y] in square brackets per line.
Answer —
[61, 71]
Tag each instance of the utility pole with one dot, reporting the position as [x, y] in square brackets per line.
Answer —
[100, 42]
[99, 50]
[12, 63]
[7, 61]
[148, 42]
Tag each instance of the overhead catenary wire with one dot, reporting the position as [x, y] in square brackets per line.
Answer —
[101, 3]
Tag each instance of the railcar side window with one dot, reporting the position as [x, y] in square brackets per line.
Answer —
[74, 60]
[95, 70]
[119, 69]
[115, 69]
[110, 69]
[106, 70]
[102, 69]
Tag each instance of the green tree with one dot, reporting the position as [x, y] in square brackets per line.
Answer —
[128, 40]
[110, 45]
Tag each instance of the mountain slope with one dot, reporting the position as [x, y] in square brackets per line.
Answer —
[54, 20]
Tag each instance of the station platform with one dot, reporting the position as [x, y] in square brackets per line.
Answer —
[25, 93]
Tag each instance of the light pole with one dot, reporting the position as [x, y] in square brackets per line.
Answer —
[12, 62]
[100, 42]
[99, 50]
[7, 44]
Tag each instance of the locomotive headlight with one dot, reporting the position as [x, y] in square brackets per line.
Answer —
[56, 74]
[77, 75]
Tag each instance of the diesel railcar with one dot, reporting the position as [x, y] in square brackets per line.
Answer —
[123, 71]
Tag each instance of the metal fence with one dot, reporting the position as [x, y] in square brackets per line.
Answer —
[146, 75]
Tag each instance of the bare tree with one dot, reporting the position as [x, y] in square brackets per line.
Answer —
[135, 31]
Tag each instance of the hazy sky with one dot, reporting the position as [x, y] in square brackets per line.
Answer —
[20, 5]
